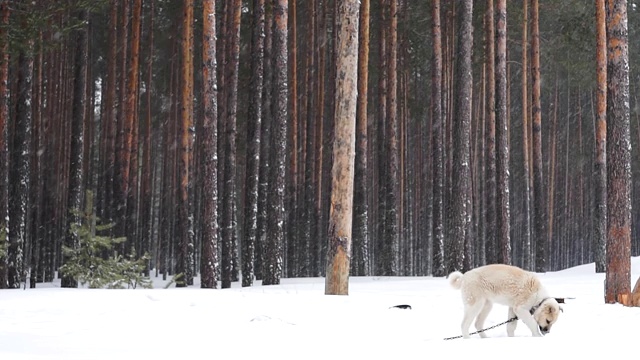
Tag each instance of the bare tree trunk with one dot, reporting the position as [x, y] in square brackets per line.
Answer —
[491, 178]
[526, 241]
[361, 264]
[123, 135]
[502, 137]
[75, 196]
[437, 141]
[600, 191]
[275, 231]
[146, 208]
[184, 264]
[132, 122]
[4, 150]
[461, 148]
[542, 241]
[618, 252]
[294, 218]
[265, 144]
[229, 193]
[392, 235]
[253, 143]
[19, 172]
[210, 270]
[341, 210]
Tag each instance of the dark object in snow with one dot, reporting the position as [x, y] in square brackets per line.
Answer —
[562, 300]
[404, 307]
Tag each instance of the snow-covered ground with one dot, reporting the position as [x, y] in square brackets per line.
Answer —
[296, 320]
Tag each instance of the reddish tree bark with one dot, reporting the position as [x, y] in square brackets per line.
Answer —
[600, 182]
[210, 271]
[618, 270]
[341, 209]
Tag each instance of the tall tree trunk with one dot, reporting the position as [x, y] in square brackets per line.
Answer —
[110, 116]
[502, 137]
[391, 224]
[309, 222]
[361, 264]
[253, 143]
[526, 229]
[123, 136]
[275, 231]
[618, 252]
[491, 173]
[265, 143]
[132, 122]
[4, 150]
[383, 253]
[542, 241]
[552, 167]
[600, 190]
[184, 264]
[341, 210]
[229, 227]
[210, 271]
[461, 148]
[294, 218]
[19, 172]
[437, 144]
[74, 200]
[146, 212]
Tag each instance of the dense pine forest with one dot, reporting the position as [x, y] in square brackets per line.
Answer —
[184, 138]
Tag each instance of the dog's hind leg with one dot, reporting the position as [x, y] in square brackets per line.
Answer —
[486, 309]
[511, 326]
[471, 311]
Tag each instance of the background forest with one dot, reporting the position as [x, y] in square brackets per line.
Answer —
[194, 137]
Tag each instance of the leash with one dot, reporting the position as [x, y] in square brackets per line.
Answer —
[483, 330]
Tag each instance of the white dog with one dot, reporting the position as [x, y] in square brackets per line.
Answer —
[507, 285]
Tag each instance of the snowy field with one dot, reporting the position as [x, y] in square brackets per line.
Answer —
[296, 320]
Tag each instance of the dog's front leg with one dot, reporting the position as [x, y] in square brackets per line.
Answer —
[527, 318]
[511, 326]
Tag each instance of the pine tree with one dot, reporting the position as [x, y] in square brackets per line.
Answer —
[462, 127]
[74, 202]
[210, 271]
[341, 210]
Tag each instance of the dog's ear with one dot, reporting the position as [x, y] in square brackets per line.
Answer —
[560, 300]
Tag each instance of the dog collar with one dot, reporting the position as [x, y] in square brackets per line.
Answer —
[535, 307]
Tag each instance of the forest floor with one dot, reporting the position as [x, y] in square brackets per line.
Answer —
[295, 320]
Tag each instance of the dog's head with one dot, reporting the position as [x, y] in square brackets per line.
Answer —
[547, 314]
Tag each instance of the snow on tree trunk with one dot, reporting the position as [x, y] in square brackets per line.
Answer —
[461, 130]
[618, 248]
[184, 264]
[4, 155]
[265, 144]
[74, 200]
[541, 235]
[229, 193]
[20, 168]
[600, 182]
[273, 256]
[491, 190]
[253, 143]
[360, 263]
[341, 209]
[526, 147]
[210, 269]
[438, 143]
[503, 239]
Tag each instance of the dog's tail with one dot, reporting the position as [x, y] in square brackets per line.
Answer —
[455, 280]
